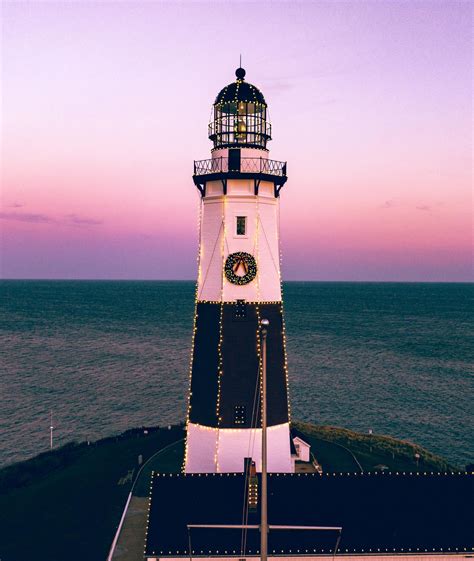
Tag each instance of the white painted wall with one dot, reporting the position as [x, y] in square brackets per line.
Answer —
[261, 240]
[201, 446]
[210, 269]
[231, 446]
[244, 153]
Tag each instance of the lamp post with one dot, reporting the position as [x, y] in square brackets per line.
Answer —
[264, 513]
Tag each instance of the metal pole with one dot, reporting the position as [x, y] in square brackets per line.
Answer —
[51, 428]
[264, 512]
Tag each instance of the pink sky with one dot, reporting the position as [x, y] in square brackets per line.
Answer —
[106, 105]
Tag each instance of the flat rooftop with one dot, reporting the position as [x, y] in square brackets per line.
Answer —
[379, 513]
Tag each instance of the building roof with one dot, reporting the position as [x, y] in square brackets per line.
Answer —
[301, 441]
[240, 90]
[378, 512]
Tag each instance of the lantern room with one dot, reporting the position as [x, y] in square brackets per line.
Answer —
[240, 116]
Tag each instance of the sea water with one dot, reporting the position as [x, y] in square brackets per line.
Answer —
[105, 356]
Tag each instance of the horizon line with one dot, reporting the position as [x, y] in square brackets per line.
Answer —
[47, 279]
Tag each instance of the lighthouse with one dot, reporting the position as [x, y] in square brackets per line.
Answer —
[239, 284]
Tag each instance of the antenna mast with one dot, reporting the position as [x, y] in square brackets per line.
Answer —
[51, 428]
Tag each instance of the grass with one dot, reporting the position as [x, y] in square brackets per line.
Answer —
[370, 451]
[168, 460]
[67, 504]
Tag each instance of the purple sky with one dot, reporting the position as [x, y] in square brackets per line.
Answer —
[106, 105]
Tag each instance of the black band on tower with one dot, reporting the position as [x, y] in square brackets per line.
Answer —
[239, 405]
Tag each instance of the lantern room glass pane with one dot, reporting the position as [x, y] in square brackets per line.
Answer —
[242, 123]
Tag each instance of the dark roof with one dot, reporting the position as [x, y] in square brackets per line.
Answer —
[379, 512]
[240, 90]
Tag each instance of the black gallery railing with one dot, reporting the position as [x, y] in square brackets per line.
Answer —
[247, 165]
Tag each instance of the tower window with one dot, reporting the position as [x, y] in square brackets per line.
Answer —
[241, 224]
[240, 415]
[240, 310]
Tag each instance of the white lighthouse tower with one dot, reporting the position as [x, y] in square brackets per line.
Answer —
[239, 283]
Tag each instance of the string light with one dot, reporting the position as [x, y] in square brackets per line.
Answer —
[228, 103]
[247, 147]
[150, 494]
[232, 302]
[193, 337]
[220, 359]
[257, 307]
[234, 430]
[285, 355]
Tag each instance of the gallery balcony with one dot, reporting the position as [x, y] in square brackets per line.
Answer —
[243, 165]
[257, 169]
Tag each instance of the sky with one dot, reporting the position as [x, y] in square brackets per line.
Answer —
[105, 105]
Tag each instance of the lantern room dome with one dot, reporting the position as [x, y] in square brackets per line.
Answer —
[240, 90]
[240, 116]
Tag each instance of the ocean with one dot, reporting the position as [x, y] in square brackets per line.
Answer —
[105, 356]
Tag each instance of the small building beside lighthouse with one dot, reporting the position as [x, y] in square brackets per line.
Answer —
[239, 283]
